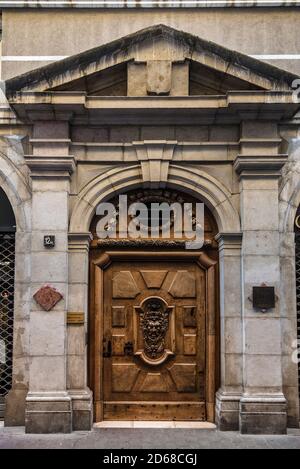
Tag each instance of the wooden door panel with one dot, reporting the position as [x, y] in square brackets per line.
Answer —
[154, 340]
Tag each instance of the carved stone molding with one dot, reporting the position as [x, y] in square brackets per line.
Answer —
[146, 243]
[155, 156]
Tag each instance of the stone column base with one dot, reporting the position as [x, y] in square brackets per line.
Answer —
[48, 412]
[82, 409]
[227, 410]
[14, 409]
[263, 414]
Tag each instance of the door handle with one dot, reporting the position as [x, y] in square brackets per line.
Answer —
[107, 349]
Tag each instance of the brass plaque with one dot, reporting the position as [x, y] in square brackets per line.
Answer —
[75, 318]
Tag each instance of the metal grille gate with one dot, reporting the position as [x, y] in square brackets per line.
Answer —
[7, 270]
[298, 298]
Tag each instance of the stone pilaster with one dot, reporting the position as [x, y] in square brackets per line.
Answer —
[229, 394]
[82, 401]
[48, 404]
[263, 405]
[289, 200]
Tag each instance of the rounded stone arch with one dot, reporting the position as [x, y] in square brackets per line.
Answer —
[17, 192]
[289, 190]
[289, 204]
[192, 180]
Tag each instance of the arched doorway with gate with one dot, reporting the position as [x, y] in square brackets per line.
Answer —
[154, 349]
[7, 274]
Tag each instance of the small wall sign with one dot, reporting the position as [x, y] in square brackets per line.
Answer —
[75, 318]
[263, 298]
[47, 297]
[49, 241]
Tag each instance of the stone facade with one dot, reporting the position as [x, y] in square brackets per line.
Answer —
[157, 109]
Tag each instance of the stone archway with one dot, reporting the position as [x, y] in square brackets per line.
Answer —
[186, 179]
[125, 274]
[213, 193]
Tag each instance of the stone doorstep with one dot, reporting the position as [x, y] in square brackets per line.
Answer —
[154, 424]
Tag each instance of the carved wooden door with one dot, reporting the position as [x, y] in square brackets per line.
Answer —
[154, 341]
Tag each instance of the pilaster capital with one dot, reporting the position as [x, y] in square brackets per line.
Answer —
[79, 242]
[259, 166]
[50, 167]
[230, 241]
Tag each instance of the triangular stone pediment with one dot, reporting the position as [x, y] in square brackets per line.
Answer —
[154, 61]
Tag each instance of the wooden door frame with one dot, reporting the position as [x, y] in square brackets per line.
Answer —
[96, 314]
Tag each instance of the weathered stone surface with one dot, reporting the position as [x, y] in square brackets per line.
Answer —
[47, 340]
[159, 77]
[263, 416]
[48, 412]
[263, 336]
[15, 407]
[227, 411]
[82, 409]
[47, 373]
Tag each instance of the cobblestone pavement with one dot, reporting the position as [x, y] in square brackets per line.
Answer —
[147, 438]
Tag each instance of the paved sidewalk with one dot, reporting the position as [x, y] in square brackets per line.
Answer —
[147, 438]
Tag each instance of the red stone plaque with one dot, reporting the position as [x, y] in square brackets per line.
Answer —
[47, 297]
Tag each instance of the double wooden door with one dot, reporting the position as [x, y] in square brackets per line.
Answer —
[154, 326]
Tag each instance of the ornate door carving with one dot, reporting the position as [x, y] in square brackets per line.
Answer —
[153, 323]
[157, 325]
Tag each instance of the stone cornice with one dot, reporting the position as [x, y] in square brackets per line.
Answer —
[259, 165]
[49, 140]
[125, 4]
[80, 98]
[31, 106]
